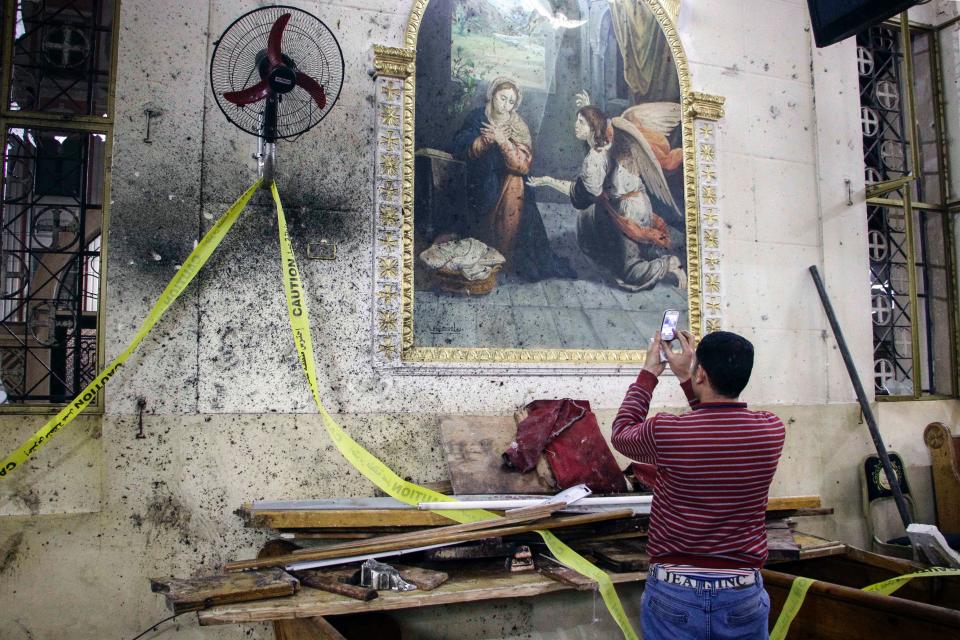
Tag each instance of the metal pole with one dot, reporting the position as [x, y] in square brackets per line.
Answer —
[862, 398]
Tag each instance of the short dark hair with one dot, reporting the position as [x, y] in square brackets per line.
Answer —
[728, 360]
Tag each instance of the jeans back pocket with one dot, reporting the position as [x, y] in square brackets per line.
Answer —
[666, 612]
[749, 612]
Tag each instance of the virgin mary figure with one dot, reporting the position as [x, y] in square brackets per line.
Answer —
[496, 145]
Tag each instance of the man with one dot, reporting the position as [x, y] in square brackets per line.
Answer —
[707, 537]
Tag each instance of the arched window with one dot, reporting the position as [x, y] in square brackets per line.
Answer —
[56, 116]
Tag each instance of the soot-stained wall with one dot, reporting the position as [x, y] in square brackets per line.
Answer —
[228, 416]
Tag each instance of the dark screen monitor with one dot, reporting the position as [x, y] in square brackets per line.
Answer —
[834, 20]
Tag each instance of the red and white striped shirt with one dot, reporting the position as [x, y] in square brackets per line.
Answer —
[714, 468]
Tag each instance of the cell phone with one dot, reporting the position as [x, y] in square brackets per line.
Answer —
[668, 329]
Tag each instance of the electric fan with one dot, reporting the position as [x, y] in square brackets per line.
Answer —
[276, 72]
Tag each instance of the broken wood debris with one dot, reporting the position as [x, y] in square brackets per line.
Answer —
[335, 581]
[365, 513]
[612, 536]
[564, 575]
[427, 538]
[194, 594]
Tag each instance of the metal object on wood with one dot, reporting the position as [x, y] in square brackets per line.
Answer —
[484, 549]
[521, 560]
[637, 502]
[932, 545]
[380, 576]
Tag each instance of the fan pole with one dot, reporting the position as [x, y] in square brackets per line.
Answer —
[269, 138]
[266, 163]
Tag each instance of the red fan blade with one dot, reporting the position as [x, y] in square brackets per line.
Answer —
[249, 95]
[274, 54]
[314, 88]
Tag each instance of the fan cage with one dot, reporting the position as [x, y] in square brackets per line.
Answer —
[307, 41]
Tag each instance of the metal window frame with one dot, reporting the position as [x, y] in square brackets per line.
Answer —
[89, 124]
[949, 210]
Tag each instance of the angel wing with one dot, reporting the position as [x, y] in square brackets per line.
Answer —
[634, 153]
[662, 117]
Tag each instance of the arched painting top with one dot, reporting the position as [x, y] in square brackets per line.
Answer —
[663, 17]
[434, 331]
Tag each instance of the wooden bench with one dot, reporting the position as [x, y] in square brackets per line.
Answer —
[945, 457]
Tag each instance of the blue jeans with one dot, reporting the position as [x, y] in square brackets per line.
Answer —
[674, 612]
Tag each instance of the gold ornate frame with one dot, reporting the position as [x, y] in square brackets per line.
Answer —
[394, 72]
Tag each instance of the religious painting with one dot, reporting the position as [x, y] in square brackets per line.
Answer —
[549, 188]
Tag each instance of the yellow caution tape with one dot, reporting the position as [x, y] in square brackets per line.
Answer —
[889, 586]
[379, 473]
[191, 266]
[798, 591]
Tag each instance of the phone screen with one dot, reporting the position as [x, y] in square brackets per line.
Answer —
[668, 330]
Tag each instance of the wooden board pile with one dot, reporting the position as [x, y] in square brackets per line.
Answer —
[323, 544]
[328, 556]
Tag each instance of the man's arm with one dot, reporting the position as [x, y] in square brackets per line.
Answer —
[680, 364]
[633, 434]
[688, 391]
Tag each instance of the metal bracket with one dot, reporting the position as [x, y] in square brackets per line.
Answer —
[322, 250]
[380, 576]
[150, 112]
[881, 188]
[571, 494]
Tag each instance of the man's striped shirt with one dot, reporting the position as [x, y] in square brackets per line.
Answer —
[714, 468]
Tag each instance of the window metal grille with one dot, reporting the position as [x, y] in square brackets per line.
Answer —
[61, 56]
[908, 229]
[57, 122]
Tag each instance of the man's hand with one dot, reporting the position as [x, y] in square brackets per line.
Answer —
[653, 364]
[680, 363]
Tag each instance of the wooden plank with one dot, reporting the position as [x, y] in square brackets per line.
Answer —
[367, 518]
[466, 586]
[193, 594]
[343, 519]
[306, 629]
[335, 581]
[425, 579]
[374, 547]
[945, 468]
[564, 575]
[835, 612]
[474, 447]
[780, 542]
[529, 514]
[799, 513]
[622, 557]
[857, 568]
[442, 486]
[793, 502]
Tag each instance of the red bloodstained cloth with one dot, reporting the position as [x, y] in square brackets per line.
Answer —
[567, 433]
